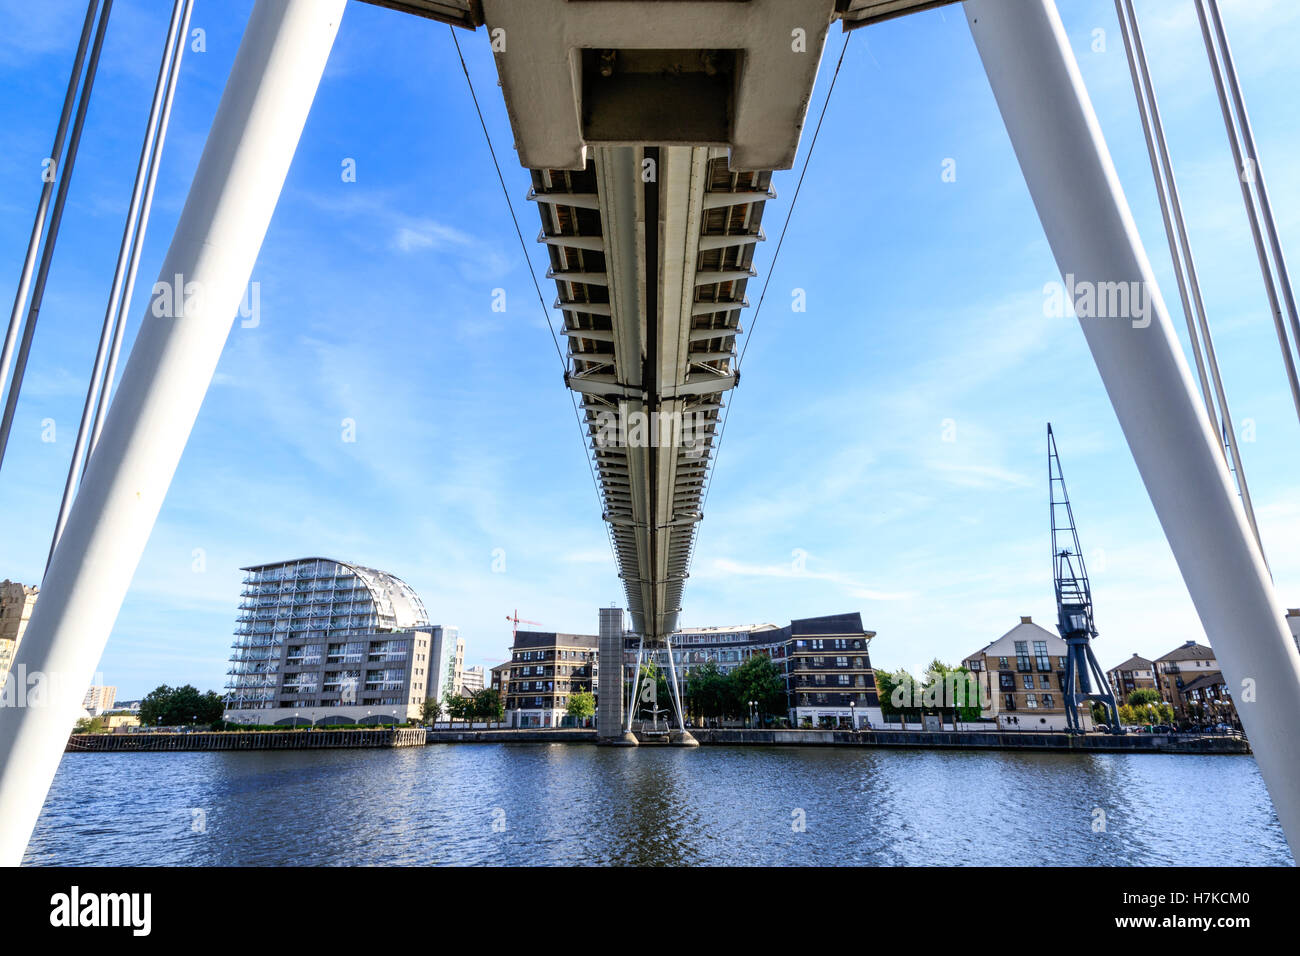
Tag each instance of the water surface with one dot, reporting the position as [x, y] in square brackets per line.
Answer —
[565, 804]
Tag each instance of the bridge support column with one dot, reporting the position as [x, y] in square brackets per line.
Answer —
[609, 655]
[1077, 193]
[238, 180]
[684, 739]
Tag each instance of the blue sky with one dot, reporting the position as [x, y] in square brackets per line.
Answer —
[834, 490]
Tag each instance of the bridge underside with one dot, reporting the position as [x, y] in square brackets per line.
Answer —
[651, 250]
[686, 78]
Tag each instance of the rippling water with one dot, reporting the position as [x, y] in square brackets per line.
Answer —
[573, 804]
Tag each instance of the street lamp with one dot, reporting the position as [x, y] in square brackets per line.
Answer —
[853, 714]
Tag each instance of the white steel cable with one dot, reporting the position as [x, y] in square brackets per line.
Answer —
[1175, 224]
[127, 258]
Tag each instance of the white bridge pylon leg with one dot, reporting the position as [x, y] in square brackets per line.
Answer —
[238, 180]
[1093, 237]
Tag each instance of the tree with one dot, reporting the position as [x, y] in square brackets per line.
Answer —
[457, 707]
[759, 680]
[486, 705]
[709, 692]
[89, 725]
[173, 706]
[582, 705]
[431, 711]
[960, 681]
[1143, 696]
[887, 682]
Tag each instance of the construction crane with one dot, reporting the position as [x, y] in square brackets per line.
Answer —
[1074, 605]
[514, 632]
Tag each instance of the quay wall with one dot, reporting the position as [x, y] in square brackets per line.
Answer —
[982, 740]
[416, 737]
[508, 736]
[247, 740]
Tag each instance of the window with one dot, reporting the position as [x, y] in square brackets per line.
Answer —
[1040, 652]
[1029, 682]
[1048, 701]
[1031, 701]
[1022, 656]
[1002, 662]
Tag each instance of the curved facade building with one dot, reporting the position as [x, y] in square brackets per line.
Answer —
[326, 642]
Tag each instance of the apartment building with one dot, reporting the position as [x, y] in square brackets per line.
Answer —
[499, 676]
[1206, 701]
[1136, 673]
[472, 680]
[829, 677]
[1178, 669]
[824, 662]
[99, 700]
[546, 669]
[16, 604]
[1026, 668]
[323, 642]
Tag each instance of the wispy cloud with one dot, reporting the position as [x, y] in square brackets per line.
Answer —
[725, 567]
[428, 234]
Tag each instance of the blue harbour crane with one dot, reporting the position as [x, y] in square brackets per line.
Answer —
[1074, 605]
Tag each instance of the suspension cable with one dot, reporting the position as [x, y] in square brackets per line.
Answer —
[1175, 226]
[56, 219]
[1257, 171]
[43, 205]
[770, 270]
[1245, 173]
[116, 310]
[102, 409]
[546, 313]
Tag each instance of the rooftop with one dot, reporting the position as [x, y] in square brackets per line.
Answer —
[1133, 663]
[1190, 651]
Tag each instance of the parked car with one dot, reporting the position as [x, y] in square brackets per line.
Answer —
[1161, 729]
